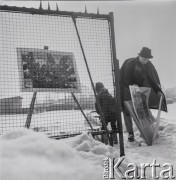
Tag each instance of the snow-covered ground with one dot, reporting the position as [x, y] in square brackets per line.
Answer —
[163, 149]
[52, 122]
[25, 154]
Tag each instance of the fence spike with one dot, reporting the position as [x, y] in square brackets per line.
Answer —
[85, 9]
[98, 10]
[57, 9]
[40, 5]
[48, 6]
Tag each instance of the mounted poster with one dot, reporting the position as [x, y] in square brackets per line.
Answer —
[140, 97]
[44, 70]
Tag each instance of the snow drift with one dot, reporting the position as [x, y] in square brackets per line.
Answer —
[26, 155]
[29, 155]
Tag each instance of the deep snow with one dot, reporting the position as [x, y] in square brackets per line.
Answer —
[31, 155]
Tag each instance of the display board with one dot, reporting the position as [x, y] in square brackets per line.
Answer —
[45, 70]
[140, 112]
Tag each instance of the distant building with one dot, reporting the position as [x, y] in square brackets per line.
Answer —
[10, 105]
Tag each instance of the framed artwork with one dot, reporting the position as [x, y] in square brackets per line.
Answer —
[43, 70]
[140, 97]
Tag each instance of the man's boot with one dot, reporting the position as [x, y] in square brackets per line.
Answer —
[131, 137]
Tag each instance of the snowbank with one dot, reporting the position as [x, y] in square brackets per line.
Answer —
[27, 155]
[170, 95]
[30, 155]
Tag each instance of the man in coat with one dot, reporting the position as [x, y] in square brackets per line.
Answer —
[140, 71]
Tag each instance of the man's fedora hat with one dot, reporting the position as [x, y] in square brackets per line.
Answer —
[146, 53]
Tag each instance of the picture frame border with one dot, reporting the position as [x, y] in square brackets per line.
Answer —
[21, 74]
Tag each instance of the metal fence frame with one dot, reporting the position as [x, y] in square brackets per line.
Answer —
[115, 62]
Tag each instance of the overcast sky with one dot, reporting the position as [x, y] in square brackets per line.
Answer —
[137, 24]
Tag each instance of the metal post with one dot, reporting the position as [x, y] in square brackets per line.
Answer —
[117, 89]
[76, 101]
[98, 104]
[31, 109]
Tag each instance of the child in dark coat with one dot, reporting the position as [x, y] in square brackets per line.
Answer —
[107, 104]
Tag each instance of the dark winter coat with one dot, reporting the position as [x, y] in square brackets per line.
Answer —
[133, 72]
[107, 103]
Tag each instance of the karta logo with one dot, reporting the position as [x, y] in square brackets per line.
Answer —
[131, 170]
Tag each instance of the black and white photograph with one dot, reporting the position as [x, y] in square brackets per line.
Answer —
[140, 98]
[87, 89]
[44, 70]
